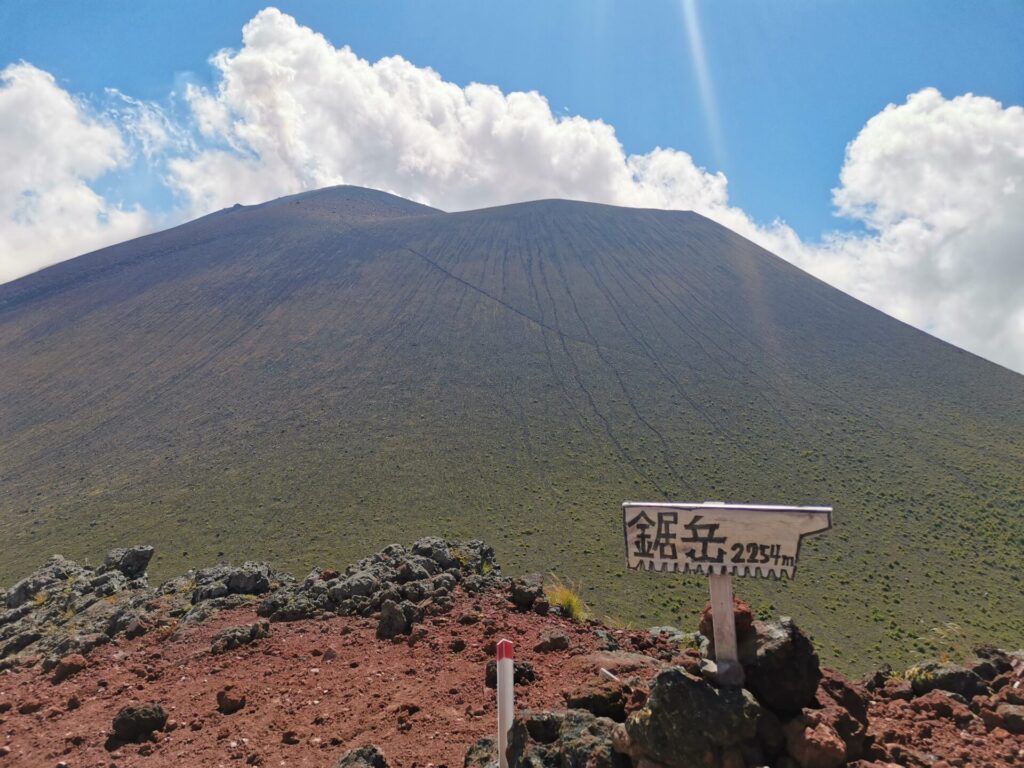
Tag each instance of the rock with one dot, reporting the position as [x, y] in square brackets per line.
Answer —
[843, 705]
[876, 680]
[606, 641]
[525, 590]
[552, 639]
[604, 698]
[896, 688]
[668, 634]
[986, 669]
[68, 666]
[725, 673]
[939, 704]
[137, 722]
[132, 562]
[410, 570]
[687, 721]
[392, 621]
[1012, 716]
[290, 737]
[784, 673]
[543, 727]
[582, 741]
[364, 757]
[235, 637]
[281, 606]
[229, 700]
[57, 569]
[742, 615]
[522, 673]
[813, 743]
[948, 677]
[770, 734]
[483, 753]
[436, 549]
[361, 584]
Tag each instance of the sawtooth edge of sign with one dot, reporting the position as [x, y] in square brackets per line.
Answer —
[757, 571]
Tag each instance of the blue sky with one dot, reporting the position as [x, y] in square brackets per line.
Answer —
[793, 81]
[877, 145]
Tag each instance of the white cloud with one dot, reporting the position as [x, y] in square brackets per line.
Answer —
[293, 112]
[51, 148]
[937, 182]
[940, 184]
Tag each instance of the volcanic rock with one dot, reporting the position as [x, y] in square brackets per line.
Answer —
[522, 674]
[581, 741]
[604, 698]
[364, 757]
[687, 721]
[1012, 716]
[137, 722]
[229, 700]
[392, 621]
[813, 743]
[948, 677]
[552, 639]
[483, 753]
[68, 666]
[526, 590]
[235, 637]
[130, 562]
[843, 705]
[742, 615]
[784, 673]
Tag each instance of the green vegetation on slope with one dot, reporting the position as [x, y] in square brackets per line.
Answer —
[302, 382]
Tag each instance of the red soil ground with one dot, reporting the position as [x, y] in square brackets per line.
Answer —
[331, 686]
[422, 705]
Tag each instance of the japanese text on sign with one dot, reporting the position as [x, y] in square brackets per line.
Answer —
[715, 538]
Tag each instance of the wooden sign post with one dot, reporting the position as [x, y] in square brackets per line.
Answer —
[719, 541]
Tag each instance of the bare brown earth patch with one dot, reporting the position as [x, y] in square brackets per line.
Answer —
[330, 682]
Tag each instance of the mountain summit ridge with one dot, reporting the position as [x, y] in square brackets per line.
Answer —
[324, 373]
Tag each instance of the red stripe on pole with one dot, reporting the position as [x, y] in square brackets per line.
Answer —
[504, 649]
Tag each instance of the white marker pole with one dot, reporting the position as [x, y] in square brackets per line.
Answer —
[506, 697]
[724, 622]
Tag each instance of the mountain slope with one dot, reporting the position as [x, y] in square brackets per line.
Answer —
[325, 373]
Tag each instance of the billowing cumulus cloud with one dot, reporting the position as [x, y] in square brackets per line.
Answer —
[936, 182]
[52, 147]
[940, 184]
[293, 112]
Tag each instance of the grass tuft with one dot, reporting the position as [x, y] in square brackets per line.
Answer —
[566, 597]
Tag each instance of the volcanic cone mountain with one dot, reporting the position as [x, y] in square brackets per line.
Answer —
[308, 379]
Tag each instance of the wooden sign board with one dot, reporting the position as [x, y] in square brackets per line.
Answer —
[714, 538]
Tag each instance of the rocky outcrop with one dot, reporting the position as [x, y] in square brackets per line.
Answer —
[423, 575]
[131, 563]
[688, 721]
[791, 713]
[235, 637]
[66, 608]
[569, 739]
